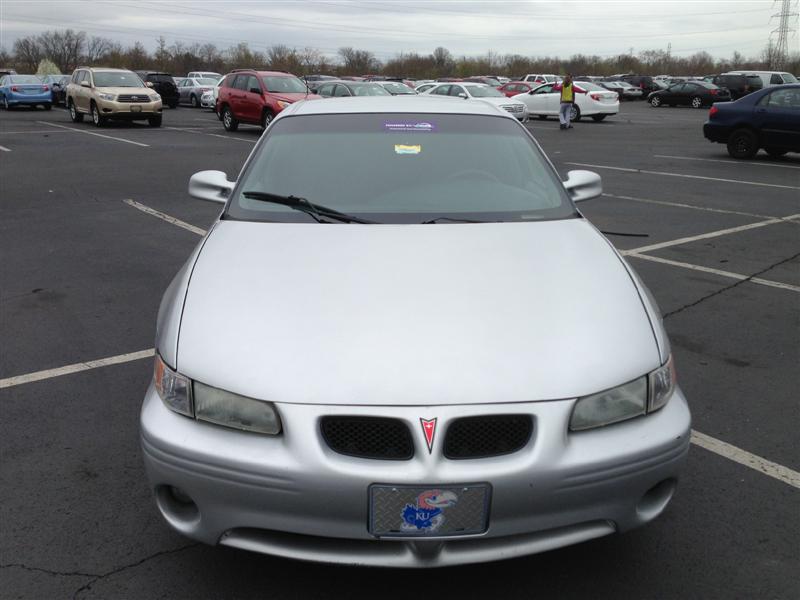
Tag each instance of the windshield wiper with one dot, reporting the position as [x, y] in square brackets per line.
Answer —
[316, 211]
[454, 220]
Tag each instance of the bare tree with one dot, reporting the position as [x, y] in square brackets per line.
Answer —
[27, 53]
[161, 54]
[358, 61]
[96, 48]
[64, 48]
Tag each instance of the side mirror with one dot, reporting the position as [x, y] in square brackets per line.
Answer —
[583, 185]
[462, 95]
[211, 186]
[86, 84]
[148, 84]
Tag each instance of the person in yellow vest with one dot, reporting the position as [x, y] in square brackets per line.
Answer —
[568, 91]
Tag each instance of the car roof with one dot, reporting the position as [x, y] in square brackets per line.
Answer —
[391, 104]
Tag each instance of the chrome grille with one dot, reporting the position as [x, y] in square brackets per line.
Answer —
[513, 108]
[133, 98]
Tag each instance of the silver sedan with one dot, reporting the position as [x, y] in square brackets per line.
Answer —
[423, 355]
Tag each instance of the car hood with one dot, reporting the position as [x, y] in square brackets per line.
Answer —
[412, 314]
[133, 91]
[498, 101]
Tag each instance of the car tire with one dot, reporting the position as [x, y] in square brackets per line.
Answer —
[98, 119]
[742, 143]
[775, 152]
[229, 122]
[74, 115]
[173, 105]
[154, 121]
[697, 102]
[575, 113]
[48, 106]
[5, 103]
[266, 118]
[598, 118]
[194, 102]
[655, 101]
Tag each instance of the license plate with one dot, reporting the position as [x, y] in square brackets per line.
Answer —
[428, 511]
[136, 109]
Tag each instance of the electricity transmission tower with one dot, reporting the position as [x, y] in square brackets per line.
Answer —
[784, 31]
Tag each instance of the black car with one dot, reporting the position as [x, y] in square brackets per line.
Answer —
[768, 119]
[738, 85]
[696, 94]
[644, 82]
[163, 84]
[58, 87]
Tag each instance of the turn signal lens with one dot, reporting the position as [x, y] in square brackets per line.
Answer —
[661, 385]
[174, 389]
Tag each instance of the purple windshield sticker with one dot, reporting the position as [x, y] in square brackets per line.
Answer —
[409, 126]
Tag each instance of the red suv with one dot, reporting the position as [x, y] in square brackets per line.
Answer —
[256, 97]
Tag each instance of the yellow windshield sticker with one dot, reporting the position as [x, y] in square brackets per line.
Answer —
[403, 149]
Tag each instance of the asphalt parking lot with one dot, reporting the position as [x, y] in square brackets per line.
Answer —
[95, 222]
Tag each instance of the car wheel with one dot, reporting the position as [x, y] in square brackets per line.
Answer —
[194, 102]
[655, 101]
[173, 105]
[154, 121]
[228, 120]
[542, 117]
[266, 119]
[697, 102]
[598, 118]
[742, 144]
[5, 103]
[575, 113]
[775, 152]
[98, 119]
[48, 106]
[74, 114]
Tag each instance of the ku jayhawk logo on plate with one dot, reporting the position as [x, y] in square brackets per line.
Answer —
[427, 514]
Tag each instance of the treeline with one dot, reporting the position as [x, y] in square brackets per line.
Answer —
[69, 49]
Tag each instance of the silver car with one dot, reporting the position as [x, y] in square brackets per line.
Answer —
[191, 89]
[459, 369]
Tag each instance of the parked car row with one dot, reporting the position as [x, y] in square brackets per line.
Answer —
[25, 90]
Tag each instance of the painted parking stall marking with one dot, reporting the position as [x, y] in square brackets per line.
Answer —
[738, 163]
[108, 137]
[165, 217]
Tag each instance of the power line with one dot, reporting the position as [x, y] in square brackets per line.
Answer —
[781, 52]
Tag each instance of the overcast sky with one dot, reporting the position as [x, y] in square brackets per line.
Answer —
[387, 27]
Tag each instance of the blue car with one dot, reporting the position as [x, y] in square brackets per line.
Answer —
[24, 90]
[768, 119]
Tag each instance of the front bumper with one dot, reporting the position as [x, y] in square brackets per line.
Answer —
[207, 101]
[291, 495]
[129, 110]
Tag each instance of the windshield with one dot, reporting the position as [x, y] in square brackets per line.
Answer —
[788, 78]
[402, 168]
[287, 85]
[206, 81]
[24, 79]
[589, 86]
[484, 92]
[368, 89]
[399, 88]
[117, 79]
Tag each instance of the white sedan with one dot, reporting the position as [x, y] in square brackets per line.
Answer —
[482, 93]
[591, 100]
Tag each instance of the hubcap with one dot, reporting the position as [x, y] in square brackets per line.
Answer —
[696, 102]
[227, 118]
[573, 113]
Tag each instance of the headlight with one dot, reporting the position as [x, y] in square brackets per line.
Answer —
[206, 403]
[109, 97]
[174, 389]
[633, 399]
[283, 104]
[231, 410]
[155, 97]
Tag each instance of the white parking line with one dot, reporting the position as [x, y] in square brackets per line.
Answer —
[684, 175]
[108, 137]
[229, 137]
[692, 206]
[752, 461]
[729, 162]
[705, 236]
[75, 368]
[47, 131]
[762, 465]
[728, 274]
[165, 217]
[4, 149]
[217, 135]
